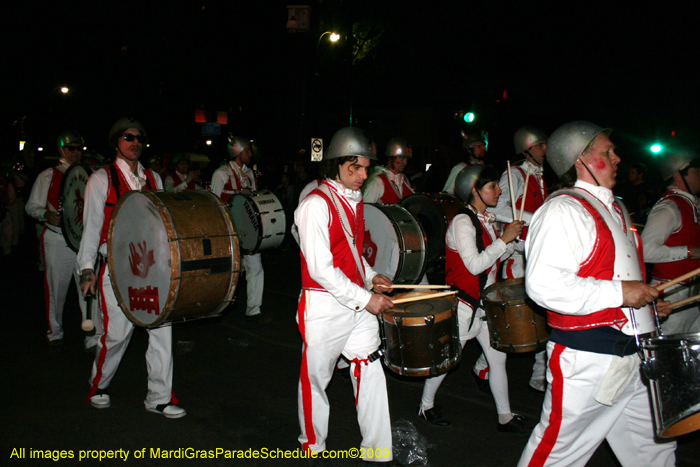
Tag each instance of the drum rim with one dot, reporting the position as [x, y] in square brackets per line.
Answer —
[402, 244]
[60, 191]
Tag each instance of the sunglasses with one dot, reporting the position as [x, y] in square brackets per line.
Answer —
[73, 148]
[128, 137]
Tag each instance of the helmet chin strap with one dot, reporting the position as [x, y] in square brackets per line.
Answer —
[478, 192]
[532, 158]
[687, 187]
[589, 171]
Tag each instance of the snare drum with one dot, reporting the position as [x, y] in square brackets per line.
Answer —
[434, 215]
[72, 198]
[421, 338]
[672, 364]
[395, 244]
[172, 256]
[259, 219]
[515, 323]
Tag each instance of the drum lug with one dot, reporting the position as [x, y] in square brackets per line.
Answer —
[650, 369]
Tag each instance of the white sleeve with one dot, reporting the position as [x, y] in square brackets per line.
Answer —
[159, 181]
[450, 183]
[36, 205]
[560, 239]
[93, 219]
[218, 180]
[461, 237]
[312, 219]
[373, 190]
[170, 185]
[504, 208]
[663, 220]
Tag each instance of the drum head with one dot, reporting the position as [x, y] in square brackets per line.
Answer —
[139, 258]
[432, 218]
[381, 246]
[421, 308]
[72, 195]
[511, 290]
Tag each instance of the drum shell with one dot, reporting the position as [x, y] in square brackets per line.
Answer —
[259, 219]
[515, 325]
[410, 243]
[204, 256]
[672, 365]
[72, 200]
[421, 338]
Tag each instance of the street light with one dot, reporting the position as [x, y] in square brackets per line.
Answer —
[334, 38]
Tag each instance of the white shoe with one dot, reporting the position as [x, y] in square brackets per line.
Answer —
[100, 400]
[169, 410]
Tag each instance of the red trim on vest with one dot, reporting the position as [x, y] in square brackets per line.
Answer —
[389, 196]
[177, 181]
[343, 258]
[54, 189]
[600, 264]
[229, 186]
[456, 273]
[687, 235]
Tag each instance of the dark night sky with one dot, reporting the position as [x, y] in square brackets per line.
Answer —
[631, 69]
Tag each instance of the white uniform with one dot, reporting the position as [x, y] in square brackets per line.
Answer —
[665, 219]
[461, 237]
[373, 189]
[170, 185]
[332, 321]
[60, 261]
[450, 183]
[226, 182]
[593, 394]
[117, 328]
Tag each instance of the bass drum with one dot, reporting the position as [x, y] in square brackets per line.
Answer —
[515, 323]
[259, 219]
[172, 256]
[72, 200]
[672, 364]
[434, 214]
[395, 244]
[421, 338]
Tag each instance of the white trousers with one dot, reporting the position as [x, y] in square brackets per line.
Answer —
[60, 267]
[114, 341]
[328, 330]
[496, 362]
[255, 281]
[573, 424]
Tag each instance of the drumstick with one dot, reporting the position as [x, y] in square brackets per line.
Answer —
[423, 297]
[680, 302]
[510, 188]
[414, 286]
[675, 281]
[522, 201]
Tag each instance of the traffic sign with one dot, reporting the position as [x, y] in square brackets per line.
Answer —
[316, 149]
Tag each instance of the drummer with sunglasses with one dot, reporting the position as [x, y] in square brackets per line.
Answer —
[128, 139]
[44, 205]
[474, 250]
[237, 177]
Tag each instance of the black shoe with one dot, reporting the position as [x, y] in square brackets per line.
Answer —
[434, 416]
[517, 425]
[481, 384]
[258, 319]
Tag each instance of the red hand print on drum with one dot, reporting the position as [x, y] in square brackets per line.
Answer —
[79, 203]
[142, 260]
[369, 249]
[144, 298]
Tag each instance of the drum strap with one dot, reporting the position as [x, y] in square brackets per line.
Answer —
[482, 277]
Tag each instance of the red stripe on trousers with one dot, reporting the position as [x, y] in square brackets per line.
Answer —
[306, 396]
[105, 328]
[551, 433]
[47, 294]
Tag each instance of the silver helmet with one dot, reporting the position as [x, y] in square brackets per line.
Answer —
[351, 141]
[237, 144]
[69, 137]
[675, 161]
[398, 147]
[472, 138]
[568, 142]
[466, 179]
[526, 137]
[120, 126]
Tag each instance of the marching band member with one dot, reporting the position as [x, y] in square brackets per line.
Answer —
[43, 205]
[473, 254]
[671, 238]
[389, 185]
[579, 247]
[128, 138]
[232, 178]
[336, 313]
[530, 143]
[182, 179]
[474, 150]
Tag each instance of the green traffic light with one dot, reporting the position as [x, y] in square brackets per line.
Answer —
[656, 148]
[469, 117]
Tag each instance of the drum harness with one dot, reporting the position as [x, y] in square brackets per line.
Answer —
[482, 277]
